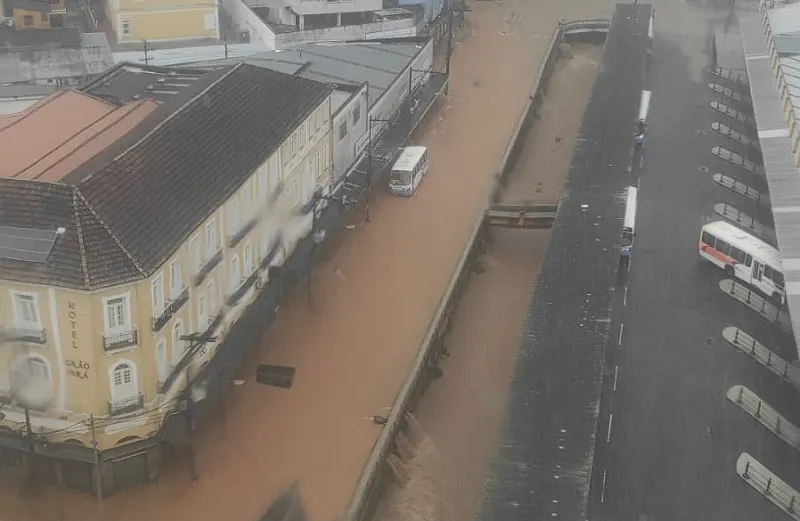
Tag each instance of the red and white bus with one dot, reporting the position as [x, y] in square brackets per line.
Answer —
[743, 256]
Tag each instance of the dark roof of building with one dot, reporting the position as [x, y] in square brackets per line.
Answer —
[67, 36]
[344, 63]
[127, 82]
[125, 218]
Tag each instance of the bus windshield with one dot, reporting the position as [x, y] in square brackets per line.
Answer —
[400, 177]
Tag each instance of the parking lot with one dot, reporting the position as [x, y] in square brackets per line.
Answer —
[668, 438]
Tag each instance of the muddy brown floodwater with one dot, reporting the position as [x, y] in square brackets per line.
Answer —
[462, 413]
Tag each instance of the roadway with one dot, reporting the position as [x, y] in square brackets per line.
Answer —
[668, 439]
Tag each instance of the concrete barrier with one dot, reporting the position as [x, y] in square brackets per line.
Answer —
[375, 476]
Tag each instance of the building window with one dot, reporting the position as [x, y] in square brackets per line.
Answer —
[162, 365]
[26, 310]
[235, 275]
[157, 290]
[194, 253]
[178, 344]
[126, 28]
[123, 381]
[202, 313]
[117, 317]
[30, 378]
[27, 20]
[357, 113]
[176, 284]
[212, 298]
[233, 215]
[211, 238]
[343, 130]
[248, 260]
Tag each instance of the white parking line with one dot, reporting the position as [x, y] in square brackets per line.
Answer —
[603, 490]
[621, 329]
[641, 162]
[608, 433]
[616, 374]
[625, 297]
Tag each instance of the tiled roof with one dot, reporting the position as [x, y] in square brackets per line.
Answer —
[125, 218]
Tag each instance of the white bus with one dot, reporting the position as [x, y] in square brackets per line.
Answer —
[408, 171]
[743, 256]
[629, 223]
[644, 105]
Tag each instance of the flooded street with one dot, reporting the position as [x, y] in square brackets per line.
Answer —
[462, 413]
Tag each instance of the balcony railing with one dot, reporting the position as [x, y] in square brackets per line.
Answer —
[214, 322]
[25, 334]
[120, 340]
[237, 295]
[209, 265]
[173, 306]
[237, 237]
[125, 405]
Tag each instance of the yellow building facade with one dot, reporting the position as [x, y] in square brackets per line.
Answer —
[163, 20]
[104, 369]
[107, 354]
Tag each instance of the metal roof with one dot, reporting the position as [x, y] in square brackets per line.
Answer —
[782, 175]
[377, 63]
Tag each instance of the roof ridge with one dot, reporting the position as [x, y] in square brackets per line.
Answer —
[116, 240]
[79, 233]
[166, 120]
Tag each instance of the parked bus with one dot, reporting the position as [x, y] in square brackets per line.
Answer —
[743, 256]
[408, 171]
[641, 122]
[629, 222]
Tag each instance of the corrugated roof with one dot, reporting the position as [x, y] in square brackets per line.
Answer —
[378, 63]
[783, 177]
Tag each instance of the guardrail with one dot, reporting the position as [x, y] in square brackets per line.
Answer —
[585, 26]
[375, 474]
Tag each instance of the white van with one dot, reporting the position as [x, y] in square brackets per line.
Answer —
[629, 223]
[408, 171]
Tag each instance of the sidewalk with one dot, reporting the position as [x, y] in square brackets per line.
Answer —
[374, 301]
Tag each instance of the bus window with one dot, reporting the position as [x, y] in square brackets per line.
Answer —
[777, 278]
[709, 239]
[748, 260]
[723, 247]
[737, 254]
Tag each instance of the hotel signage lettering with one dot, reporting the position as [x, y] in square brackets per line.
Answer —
[78, 369]
[72, 314]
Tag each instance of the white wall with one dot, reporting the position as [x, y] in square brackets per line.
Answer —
[373, 31]
[346, 151]
[246, 20]
[393, 97]
[304, 7]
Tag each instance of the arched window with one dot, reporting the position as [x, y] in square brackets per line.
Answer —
[178, 344]
[124, 386]
[162, 363]
[31, 383]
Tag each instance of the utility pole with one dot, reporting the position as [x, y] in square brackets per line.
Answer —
[98, 471]
[31, 475]
[198, 340]
[146, 55]
[225, 44]
[450, 11]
